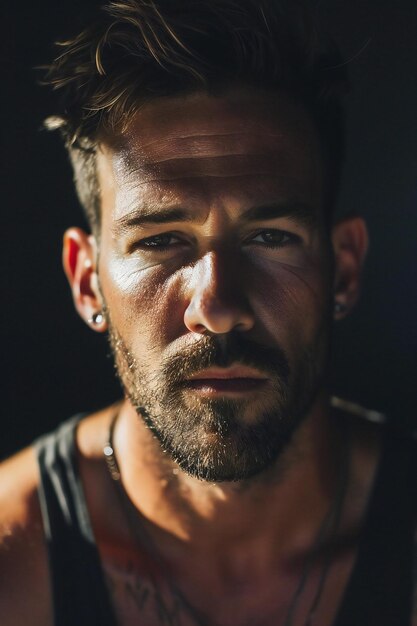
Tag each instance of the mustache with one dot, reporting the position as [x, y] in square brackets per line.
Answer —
[223, 351]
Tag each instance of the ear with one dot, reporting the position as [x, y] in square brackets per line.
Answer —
[79, 260]
[350, 245]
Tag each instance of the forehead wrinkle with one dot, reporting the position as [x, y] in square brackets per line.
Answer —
[205, 177]
[173, 168]
[175, 137]
[178, 150]
[163, 148]
[197, 157]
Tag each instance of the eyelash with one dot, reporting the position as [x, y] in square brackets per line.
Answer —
[290, 239]
[147, 243]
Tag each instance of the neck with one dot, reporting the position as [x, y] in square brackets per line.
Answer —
[282, 507]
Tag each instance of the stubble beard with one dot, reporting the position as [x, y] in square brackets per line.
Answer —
[208, 438]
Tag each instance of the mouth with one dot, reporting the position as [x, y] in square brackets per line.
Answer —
[237, 380]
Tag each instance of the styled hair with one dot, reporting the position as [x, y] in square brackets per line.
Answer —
[136, 51]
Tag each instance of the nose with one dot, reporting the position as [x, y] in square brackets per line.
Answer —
[216, 300]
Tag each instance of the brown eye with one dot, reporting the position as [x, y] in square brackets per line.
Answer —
[274, 238]
[160, 242]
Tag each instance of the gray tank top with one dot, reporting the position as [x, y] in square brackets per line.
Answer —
[380, 588]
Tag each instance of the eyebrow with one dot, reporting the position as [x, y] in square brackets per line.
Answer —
[300, 212]
[148, 216]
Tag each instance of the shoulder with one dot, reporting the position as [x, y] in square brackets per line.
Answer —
[24, 568]
[23, 560]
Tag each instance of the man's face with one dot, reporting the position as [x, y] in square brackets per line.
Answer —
[216, 275]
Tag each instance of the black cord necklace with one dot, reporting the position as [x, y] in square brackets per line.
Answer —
[327, 528]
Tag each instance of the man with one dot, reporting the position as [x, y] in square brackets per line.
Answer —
[226, 488]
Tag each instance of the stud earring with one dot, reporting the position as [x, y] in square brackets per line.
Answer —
[339, 307]
[96, 318]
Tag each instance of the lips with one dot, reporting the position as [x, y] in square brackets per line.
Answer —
[231, 385]
[231, 380]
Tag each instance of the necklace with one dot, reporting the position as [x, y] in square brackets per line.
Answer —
[327, 528]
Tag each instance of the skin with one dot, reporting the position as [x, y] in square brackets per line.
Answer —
[215, 158]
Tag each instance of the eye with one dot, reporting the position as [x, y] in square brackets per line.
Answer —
[159, 242]
[274, 238]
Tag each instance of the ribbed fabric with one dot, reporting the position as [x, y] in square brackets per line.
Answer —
[379, 592]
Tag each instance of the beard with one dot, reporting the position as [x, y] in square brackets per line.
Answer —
[220, 439]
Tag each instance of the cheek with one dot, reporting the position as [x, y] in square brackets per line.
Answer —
[145, 305]
[290, 303]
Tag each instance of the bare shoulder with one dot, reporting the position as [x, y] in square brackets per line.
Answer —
[24, 582]
[25, 594]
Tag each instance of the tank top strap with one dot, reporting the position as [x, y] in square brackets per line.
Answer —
[78, 585]
[380, 590]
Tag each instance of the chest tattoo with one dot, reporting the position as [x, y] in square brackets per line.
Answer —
[140, 600]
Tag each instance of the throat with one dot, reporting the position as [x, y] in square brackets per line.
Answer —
[282, 507]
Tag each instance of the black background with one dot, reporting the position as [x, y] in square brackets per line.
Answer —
[53, 365]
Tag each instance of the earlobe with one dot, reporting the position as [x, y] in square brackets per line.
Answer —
[78, 257]
[350, 245]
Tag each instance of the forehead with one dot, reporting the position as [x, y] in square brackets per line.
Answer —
[204, 147]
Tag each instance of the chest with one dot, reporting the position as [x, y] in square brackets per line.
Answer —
[297, 596]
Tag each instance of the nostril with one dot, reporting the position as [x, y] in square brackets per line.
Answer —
[199, 328]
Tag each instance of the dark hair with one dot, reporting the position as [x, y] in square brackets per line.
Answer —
[140, 50]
